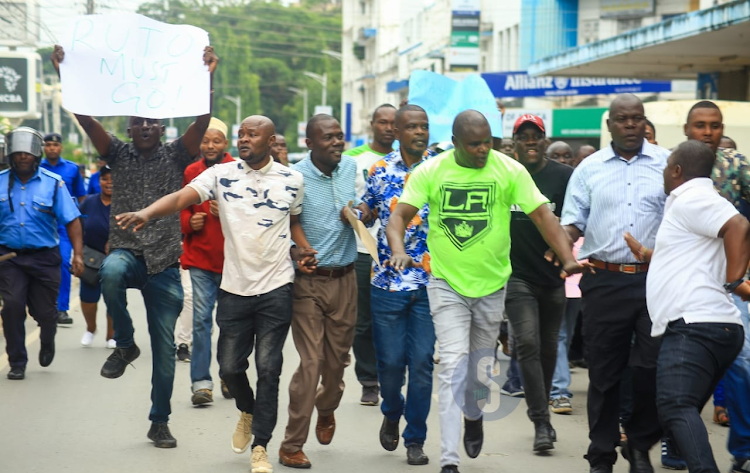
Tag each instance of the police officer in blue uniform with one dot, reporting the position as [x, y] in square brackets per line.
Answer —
[32, 203]
[73, 180]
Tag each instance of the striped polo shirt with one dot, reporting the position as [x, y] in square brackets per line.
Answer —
[324, 198]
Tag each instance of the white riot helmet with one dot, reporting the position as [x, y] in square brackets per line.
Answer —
[23, 140]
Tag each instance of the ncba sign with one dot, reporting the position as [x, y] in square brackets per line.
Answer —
[18, 85]
[520, 84]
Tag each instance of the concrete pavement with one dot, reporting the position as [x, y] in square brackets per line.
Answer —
[67, 418]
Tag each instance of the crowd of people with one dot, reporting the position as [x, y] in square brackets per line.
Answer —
[486, 231]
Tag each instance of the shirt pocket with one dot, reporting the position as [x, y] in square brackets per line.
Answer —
[43, 205]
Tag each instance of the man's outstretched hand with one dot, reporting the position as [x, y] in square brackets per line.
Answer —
[136, 219]
[210, 58]
[57, 56]
[576, 267]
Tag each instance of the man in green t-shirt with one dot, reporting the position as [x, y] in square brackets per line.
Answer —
[383, 124]
[470, 191]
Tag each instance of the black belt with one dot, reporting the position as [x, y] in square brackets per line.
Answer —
[26, 251]
[333, 273]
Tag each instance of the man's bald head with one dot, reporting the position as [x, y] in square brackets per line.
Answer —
[560, 151]
[468, 120]
[254, 139]
[260, 122]
[624, 101]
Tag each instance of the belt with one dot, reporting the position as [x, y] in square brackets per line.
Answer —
[629, 268]
[27, 251]
[333, 273]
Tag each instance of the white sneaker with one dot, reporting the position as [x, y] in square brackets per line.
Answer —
[259, 461]
[87, 339]
[111, 344]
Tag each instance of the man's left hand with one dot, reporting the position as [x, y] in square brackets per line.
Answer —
[214, 208]
[576, 267]
[137, 219]
[76, 266]
[210, 58]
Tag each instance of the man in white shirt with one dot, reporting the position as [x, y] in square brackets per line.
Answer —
[700, 258]
[259, 202]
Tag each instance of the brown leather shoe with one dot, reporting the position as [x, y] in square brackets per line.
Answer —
[325, 428]
[297, 459]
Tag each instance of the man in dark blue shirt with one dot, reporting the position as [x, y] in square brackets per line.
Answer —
[73, 180]
[33, 203]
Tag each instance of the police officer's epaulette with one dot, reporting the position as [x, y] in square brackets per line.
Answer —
[4, 171]
[51, 174]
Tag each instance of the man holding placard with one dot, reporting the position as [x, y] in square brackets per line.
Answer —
[143, 171]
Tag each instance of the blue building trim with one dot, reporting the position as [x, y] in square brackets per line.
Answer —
[672, 29]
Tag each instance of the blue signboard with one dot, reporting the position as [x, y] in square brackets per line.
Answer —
[520, 84]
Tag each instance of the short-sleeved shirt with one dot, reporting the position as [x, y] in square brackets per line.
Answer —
[38, 206]
[95, 222]
[469, 239]
[365, 158]
[70, 175]
[608, 195]
[255, 208]
[139, 182]
[94, 185]
[384, 188]
[325, 196]
[527, 244]
[689, 267]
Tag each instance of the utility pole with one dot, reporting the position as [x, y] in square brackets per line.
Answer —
[322, 80]
[90, 7]
[303, 93]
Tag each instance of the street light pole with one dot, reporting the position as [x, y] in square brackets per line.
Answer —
[303, 93]
[323, 80]
[237, 100]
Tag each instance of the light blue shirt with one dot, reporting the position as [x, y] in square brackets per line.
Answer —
[321, 211]
[37, 209]
[608, 195]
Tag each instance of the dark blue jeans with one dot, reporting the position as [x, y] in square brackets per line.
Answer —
[692, 360]
[162, 295]
[260, 322]
[404, 337]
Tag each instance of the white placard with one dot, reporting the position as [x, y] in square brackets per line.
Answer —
[130, 65]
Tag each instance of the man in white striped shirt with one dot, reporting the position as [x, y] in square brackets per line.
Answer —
[616, 190]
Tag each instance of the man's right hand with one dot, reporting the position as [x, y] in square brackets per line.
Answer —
[400, 261]
[57, 57]
[305, 259]
[197, 221]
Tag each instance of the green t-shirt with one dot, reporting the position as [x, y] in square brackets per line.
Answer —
[469, 237]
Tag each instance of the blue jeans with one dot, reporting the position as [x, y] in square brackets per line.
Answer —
[692, 360]
[205, 290]
[404, 337]
[736, 388]
[66, 251]
[162, 295]
[561, 377]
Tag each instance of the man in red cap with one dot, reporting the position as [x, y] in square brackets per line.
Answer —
[535, 301]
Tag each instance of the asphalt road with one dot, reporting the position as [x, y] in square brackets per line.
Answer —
[67, 418]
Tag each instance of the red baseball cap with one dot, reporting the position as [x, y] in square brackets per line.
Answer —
[528, 118]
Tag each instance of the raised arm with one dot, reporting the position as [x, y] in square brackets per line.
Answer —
[558, 240]
[395, 231]
[194, 134]
[99, 137]
[167, 205]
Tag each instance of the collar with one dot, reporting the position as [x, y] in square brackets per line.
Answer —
[317, 171]
[396, 158]
[60, 162]
[263, 170]
[647, 151]
[135, 152]
[36, 175]
[694, 183]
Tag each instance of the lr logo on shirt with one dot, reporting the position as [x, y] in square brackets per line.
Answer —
[465, 212]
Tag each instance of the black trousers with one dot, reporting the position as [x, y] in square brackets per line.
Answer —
[31, 280]
[614, 309]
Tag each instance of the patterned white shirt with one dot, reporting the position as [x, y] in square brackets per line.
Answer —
[254, 209]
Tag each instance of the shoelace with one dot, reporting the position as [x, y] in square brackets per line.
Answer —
[246, 424]
[120, 353]
[162, 433]
[259, 456]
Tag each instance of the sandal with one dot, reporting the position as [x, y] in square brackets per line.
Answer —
[720, 416]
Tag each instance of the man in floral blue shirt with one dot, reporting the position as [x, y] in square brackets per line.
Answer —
[402, 326]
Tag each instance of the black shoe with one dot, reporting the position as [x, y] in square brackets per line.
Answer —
[542, 438]
[473, 437]
[18, 372]
[639, 461]
[183, 353]
[552, 432]
[389, 434]
[601, 468]
[47, 353]
[63, 318]
[415, 455]
[449, 469]
[116, 363]
[160, 435]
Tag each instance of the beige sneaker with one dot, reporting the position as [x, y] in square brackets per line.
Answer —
[242, 433]
[259, 461]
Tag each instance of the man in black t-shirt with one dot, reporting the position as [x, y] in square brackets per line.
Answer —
[535, 300]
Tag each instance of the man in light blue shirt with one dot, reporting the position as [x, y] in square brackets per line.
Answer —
[325, 302]
[71, 176]
[33, 202]
[616, 190]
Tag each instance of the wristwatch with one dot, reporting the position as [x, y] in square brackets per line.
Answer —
[731, 286]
